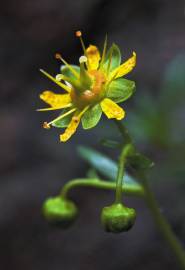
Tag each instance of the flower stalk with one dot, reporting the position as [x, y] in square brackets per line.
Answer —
[162, 224]
[121, 165]
[97, 183]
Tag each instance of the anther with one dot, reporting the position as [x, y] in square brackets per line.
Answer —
[78, 33]
[83, 59]
[46, 125]
[58, 56]
[59, 77]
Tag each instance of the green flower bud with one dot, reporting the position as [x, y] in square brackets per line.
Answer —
[59, 211]
[118, 218]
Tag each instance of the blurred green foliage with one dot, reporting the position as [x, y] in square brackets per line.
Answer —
[158, 121]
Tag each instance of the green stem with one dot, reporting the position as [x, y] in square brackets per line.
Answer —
[100, 184]
[131, 190]
[163, 226]
[124, 132]
[121, 165]
[127, 148]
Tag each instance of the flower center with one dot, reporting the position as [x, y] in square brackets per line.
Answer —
[92, 95]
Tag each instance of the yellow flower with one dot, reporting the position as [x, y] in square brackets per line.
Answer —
[93, 87]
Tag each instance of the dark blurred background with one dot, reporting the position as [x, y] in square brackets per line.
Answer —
[34, 165]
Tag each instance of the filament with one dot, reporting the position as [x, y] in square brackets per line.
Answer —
[64, 86]
[58, 56]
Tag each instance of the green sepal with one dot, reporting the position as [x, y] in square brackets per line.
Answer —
[59, 211]
[64, 122]
[116, 58]
[139, 162]
[118, 218]
[71, 78]
[120, 90]
[91, 117]
[67, 72]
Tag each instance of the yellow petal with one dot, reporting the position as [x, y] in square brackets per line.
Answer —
[93, 57]
[71, 129]
[56, 101]
[112, 110]
[124, 68]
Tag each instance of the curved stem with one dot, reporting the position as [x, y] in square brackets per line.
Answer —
[132, 190]
[122, 159]
[119, 180]
[163, 225]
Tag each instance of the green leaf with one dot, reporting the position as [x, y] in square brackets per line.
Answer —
[67, 72]
[103, 164]
[64, 122]
[140, 162]
[120, 90]
[91, 117]
[116, 57]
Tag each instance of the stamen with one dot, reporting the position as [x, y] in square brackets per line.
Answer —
[85, 79]
[46, 125]
[55, 108]
[83, 59]
[110, 60]
[64, 86]
[109, 82]
[59, 57]
[76, 118]
[79, 35]
[68, 81]
[62, 116]
[104, 51]
[59, 77]
[83, 111]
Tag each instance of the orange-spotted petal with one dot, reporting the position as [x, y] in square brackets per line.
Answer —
[71, 129]
[56, 101]
[124, 68]
[93, 56]
[112, 110]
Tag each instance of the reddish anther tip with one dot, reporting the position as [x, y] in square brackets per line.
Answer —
[78, 33]
[46, 125]
[58, 56]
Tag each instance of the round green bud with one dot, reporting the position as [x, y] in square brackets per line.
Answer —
[59, 211]
[117, 218]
